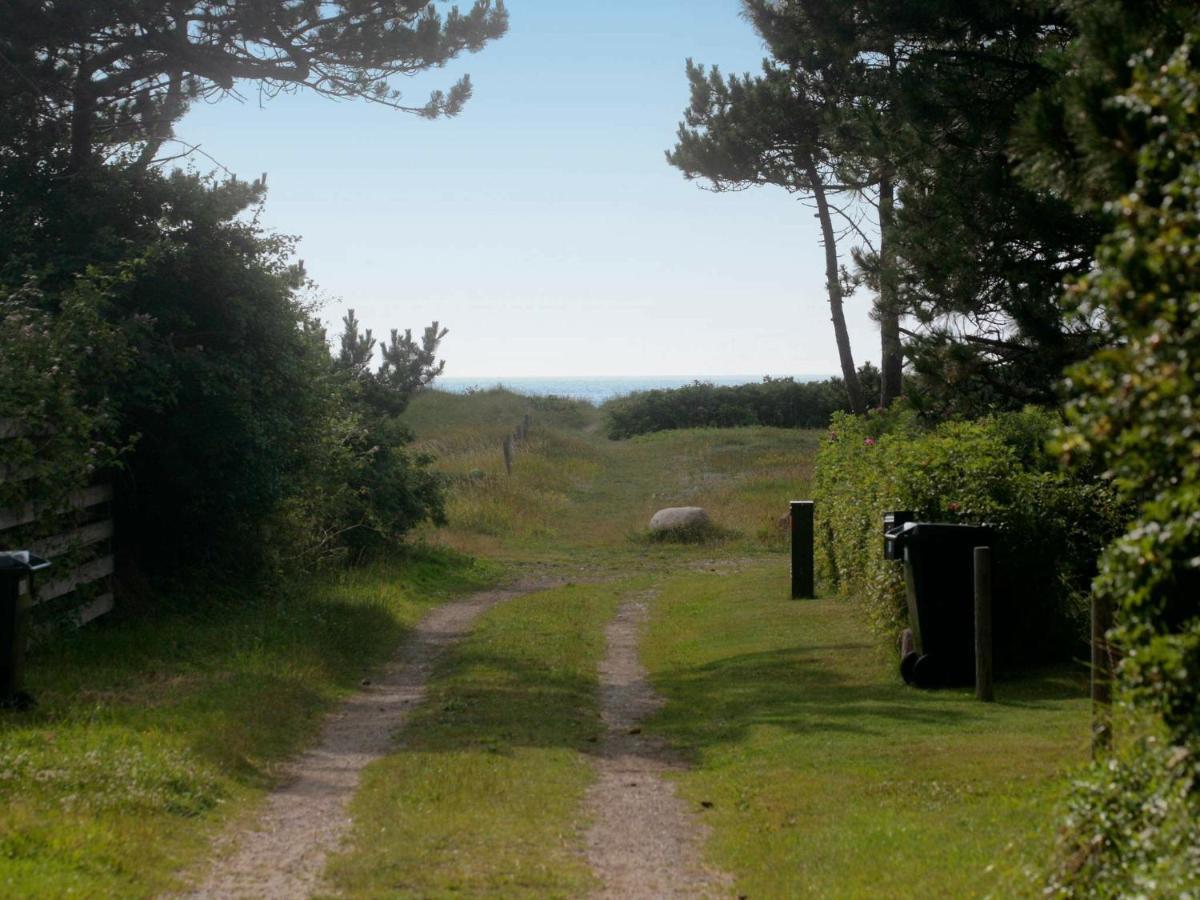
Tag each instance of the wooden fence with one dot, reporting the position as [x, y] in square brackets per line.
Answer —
[76, 537]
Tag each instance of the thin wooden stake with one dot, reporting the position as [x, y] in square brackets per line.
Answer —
[983, 625]
[508, 454]
[1101, 676]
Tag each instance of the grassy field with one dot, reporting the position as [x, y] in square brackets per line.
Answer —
[819, 773]
[573, 491]
[152, 732]
[827, 777]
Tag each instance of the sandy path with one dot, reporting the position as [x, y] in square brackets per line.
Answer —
[644, 841]
[283, 854]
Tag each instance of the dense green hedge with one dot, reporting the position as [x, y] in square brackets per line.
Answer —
[779, 402]
[1134, 823]
[1050, 527]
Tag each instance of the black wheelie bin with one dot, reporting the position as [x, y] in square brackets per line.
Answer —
[939, 574]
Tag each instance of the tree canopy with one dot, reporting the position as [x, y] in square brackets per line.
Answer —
[112, 75]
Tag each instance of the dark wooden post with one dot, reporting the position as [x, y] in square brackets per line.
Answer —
[508, 454]
[802, 549]
[983, 625]
[1101, 675]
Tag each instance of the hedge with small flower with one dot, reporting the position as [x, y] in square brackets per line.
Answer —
[1050, 526]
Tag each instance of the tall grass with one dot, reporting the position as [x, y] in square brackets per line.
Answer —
[572, 487]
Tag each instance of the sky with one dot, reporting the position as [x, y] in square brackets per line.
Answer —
[543, 226]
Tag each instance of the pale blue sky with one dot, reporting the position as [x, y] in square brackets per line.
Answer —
[543, 226]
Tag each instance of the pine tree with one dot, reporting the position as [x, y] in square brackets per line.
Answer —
[850, 53]
[742, 131]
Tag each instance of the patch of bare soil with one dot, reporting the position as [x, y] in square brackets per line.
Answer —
[644, 841]
[283, 854]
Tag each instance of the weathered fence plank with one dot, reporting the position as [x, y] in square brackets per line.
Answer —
[31, 512]
[73, 540]
[77, 577]
[12, 428]
[95, 609]
[12, 474]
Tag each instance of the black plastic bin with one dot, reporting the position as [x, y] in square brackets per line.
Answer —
[939, 573]
[15, 567]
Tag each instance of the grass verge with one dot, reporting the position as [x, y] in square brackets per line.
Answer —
[827, 776]
[151, 732]
[482, 796]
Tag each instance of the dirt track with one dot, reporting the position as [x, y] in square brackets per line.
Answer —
[283, 854]
[644, 840]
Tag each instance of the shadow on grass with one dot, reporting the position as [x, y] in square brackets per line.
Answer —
[498, 704]
[797, 689]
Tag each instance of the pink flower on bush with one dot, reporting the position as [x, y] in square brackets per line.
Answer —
[869, 442]
[953, 506]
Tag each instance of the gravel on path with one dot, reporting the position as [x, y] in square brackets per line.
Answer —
[644, 841]
[283, 854]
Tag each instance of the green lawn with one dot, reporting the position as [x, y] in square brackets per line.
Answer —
[827, 776]
[153, 731]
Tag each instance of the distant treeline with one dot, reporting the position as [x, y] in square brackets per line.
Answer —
[779, 402]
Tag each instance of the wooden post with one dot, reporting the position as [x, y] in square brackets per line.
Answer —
[983, 625]
[802, 549]
[1101, 675]
[508, 454]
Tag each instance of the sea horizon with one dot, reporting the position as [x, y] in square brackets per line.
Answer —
[596, 388]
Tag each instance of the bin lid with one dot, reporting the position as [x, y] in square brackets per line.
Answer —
[955, 531]
[21, 561]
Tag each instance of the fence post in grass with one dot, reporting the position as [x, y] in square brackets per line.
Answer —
[983, 624]
[1101, 675]
[802, 549]
[525, 423]
[508, 453]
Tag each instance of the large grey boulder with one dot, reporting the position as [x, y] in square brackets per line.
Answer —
[679, 517]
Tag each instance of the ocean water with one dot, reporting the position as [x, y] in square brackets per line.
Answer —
[596, 388]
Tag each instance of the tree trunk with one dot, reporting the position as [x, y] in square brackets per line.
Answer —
[82, 110]
[892, 362]
[833, 282]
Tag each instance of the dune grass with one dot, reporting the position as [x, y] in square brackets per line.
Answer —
[822, 775]
[482, 796]
[572, 489]
[152, 731]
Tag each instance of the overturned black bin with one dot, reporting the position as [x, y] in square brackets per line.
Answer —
[15, 567]
[939, 574]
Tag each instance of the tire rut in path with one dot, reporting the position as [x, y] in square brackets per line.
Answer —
[644, 840]
[282, 855]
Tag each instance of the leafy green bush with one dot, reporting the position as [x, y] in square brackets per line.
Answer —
[1132, 830]
[1050, 527]
[164, 318]
[778, 402]
[1133, 827]
[61, 430]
